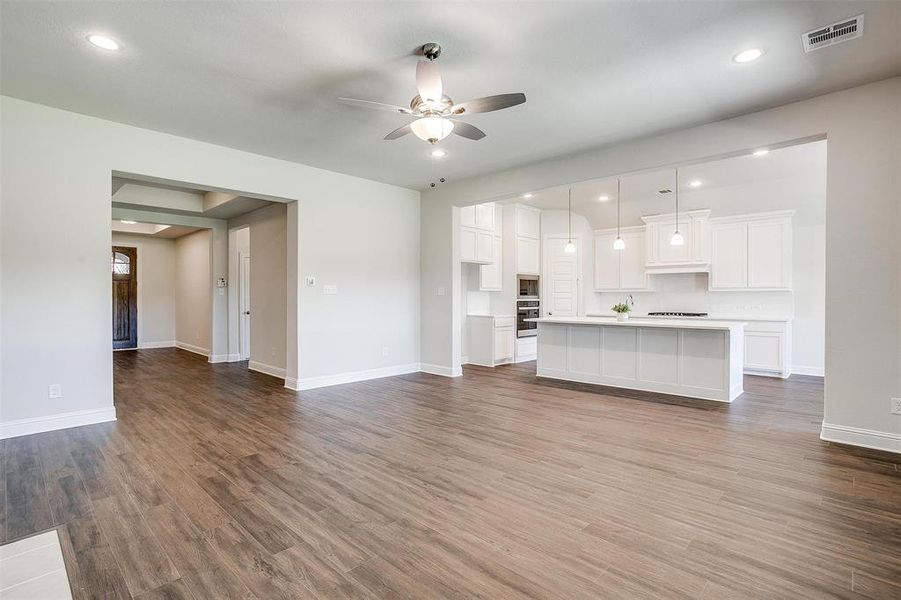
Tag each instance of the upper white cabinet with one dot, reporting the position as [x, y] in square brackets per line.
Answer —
[477, 233]
[620, 270]
[752, 252]
[490, 275]
[485, 216]
[691, 257]
[528, 221]
[729, 249]
[528, 233]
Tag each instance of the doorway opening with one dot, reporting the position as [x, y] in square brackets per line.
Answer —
[124, 268]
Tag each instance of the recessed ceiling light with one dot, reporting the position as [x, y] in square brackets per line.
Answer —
[604, 198]
[527, 195]
[695, 183]
[127, 222]
[438, 153]
[761, 152]
[102, 41]
[749, 55]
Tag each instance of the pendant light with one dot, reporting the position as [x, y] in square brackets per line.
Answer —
[618, 243]
[570, 248]
[677, 239]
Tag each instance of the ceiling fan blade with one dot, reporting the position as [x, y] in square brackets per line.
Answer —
[487, 104]
[468, 131]
[375, 105]
[399, 132]
[428, 82]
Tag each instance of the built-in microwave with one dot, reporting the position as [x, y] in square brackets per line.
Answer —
[527, 286]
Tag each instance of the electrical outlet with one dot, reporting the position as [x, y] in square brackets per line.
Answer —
[896, 406]
[384, 350]
[55, 390]
[311, 281]
[441, 291]
[330, 290]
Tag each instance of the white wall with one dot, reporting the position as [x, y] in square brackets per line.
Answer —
[156, 288]
[863, 248]
[364, 241]
[267, 237]
[59, 163]
[193, 294]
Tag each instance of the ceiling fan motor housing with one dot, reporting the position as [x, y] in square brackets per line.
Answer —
[431, 50]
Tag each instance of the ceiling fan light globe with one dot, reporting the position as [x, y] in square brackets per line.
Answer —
[569, 248]
[619, 244]
[677, 239]
[432, 129]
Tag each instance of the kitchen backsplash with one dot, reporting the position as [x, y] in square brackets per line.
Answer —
[688, 292]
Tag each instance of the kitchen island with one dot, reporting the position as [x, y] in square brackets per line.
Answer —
[695, 358]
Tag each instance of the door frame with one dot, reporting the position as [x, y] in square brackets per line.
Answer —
[244, 332]
[132, 251]
[545, 278]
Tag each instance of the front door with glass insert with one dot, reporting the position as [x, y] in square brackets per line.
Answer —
[125, 297]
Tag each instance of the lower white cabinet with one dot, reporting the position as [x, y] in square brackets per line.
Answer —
[768, 348]
[490, 339]
[526, 348]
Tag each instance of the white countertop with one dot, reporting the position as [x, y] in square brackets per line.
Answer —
[643, 322]
[752, 317]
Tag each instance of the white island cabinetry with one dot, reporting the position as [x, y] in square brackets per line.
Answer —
[698, 359]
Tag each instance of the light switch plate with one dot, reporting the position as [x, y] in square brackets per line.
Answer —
[441, 291]
[896, 406]
[55, 390]
[311, 281]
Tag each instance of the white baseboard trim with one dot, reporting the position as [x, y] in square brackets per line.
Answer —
[219, 358]
[193, 348]
[866, 438]
[441, 370]
[234, 358]
[310, 383]
[291, 383]
[814, 371]
[266, 369]
[526, 358]
[12, 429]
[169, 344]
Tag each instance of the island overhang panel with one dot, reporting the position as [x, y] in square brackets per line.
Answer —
[698, 359]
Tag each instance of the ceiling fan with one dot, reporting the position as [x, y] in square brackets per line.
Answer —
[436, 115]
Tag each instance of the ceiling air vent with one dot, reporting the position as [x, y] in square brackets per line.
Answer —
[830, 35]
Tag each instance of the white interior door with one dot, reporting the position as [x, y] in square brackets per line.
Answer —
[561, 277]
[244, 305]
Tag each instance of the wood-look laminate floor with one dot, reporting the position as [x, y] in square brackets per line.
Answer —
[216, 482]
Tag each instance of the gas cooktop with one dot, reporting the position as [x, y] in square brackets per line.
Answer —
[676, 314]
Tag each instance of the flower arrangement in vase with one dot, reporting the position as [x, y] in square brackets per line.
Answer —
[622, 309]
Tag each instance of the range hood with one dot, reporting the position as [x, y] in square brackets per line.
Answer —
[692, 257]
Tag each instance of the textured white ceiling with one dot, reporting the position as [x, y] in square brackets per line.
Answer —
[263, 77]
